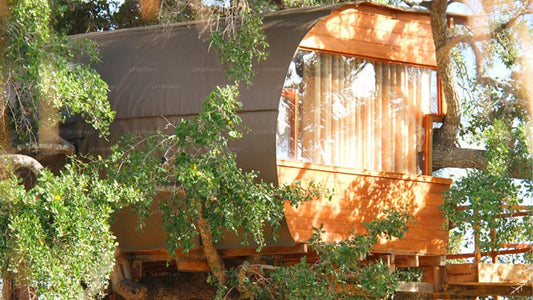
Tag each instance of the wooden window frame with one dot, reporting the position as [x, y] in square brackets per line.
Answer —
[292, 95]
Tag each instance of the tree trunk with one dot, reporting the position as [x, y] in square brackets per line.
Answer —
[4, 132]
[125, 287]
[6, 286]
[213, 257]
[446, 136]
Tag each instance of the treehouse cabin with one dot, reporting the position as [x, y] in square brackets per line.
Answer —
[348, 98]
[343, 99]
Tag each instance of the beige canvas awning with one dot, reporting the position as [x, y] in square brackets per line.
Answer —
[161, 74]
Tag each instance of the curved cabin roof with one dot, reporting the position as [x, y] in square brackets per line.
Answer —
[161, 74]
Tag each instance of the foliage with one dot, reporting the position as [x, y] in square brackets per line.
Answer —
[55, 236]
[239, 50]
[68, 252]
[42, 69]
[338, 272]
[492, 76]
[488, 195]
[78, 16]
[205, 178]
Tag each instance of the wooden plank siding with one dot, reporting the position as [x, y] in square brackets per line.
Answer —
[360, 196]
[378, 33]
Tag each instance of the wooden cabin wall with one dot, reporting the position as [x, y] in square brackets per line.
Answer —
[371, 160]
[361, 196]
[375, 32]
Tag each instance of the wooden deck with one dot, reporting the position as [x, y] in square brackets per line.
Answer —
[361, 196]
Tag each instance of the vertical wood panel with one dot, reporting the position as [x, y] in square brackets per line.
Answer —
[316, 109]
[419, 113]
[351, 129]
[369, 130]
[386, 133]
[392, 116]
[335, 130]
[307, 111]
[411, 115]
[399, 134]
[378, 165]
[359, 138]
[342, 123]
[325, 108]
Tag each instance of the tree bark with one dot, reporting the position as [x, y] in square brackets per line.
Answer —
[446, 136]
[454, 157]
[6, 286]
[126, 288]
[18, 161]
[4, 132]
[213, 257]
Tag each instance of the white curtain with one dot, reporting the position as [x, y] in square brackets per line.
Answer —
[357, 113]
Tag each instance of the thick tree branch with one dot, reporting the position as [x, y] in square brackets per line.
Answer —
[472, 42]
[467, 158]
[126, 287]
[454, 157]
[447, 134]
[466, 38]
[18, 161]
[42, 150]
[524, 9]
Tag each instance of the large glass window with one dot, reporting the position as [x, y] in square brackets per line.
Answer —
[352, 112]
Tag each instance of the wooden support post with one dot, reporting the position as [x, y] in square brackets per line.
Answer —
[439, 278]
[137, 270]
[124, 286]
[493, 254]
[390, 259]
[126, 266]
[477, 251]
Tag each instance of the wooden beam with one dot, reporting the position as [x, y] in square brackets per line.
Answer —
[430, 261]
[505, 273]
[427, 150]
[486, 289]
[416, 287]
[463, 291]
[459, 273]
[407, 261]
[299, 248]
[518, 210]
[193, 261]
[440, 277]
[501, 252]
[148, 255]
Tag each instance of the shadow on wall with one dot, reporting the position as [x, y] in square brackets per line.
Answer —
[361, 196]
